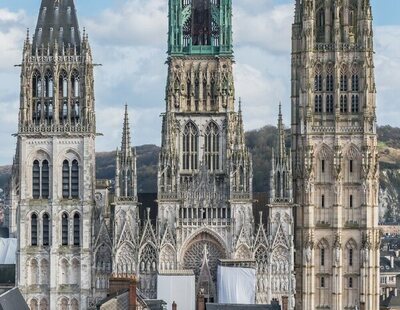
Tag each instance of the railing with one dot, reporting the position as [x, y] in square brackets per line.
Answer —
[351, 216]
[204, 222]
[328, 47]
[57, 128]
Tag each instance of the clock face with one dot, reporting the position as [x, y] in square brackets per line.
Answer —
[200, 22]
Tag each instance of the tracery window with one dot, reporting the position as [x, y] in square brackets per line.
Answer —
[63, 85]
[48, 85]
[77, 229]
[343, 104]
[34, 229]
[318, 104]
[355, 106]
[36, 84]
[64, 229]
[45, 230]
[329, 82]
[329, 104]
[75, 84]
[211, 147]
[40, 180]
[75, 179]
[190, 147]
[355, 83]
[318, 82]
[343, 83]
[148, 259]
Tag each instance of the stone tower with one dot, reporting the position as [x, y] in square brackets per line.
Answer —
[280, 275]
[125, 213]
[54, 173]
[335, 157]
[205, 169]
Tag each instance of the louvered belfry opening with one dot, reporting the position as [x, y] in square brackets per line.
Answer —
[201, 22]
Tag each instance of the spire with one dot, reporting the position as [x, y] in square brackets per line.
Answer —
[57, 22]
[126, 135]
[240, 127]
[297, 18]
[281, 135]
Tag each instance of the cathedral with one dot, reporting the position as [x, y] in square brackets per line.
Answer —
[314, 245]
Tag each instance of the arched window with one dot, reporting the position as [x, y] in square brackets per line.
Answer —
[318, 82]
[36, 180]
[323, 201]
[34, 230]
[321, 25]
[48, 85]
[36, 84]
[322, 256]
[65, 179]
[64, 229]
[75, 179]
[75, 84]
[77, 229]
[318, 104]
[329, 104]
[355, 83]
[46, 232]
[211, 148]
[63, 85]
[350, 257]
[355, 106]
[329, 82]
[343, 104]
[190, 147]
[45, 179]
[343, 82]
[196, 94]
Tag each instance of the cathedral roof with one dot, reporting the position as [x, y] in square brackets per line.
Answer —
[57, 22]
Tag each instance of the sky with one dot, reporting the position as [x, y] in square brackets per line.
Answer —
[129, 39]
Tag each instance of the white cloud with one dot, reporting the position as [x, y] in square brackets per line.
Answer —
[130, 40]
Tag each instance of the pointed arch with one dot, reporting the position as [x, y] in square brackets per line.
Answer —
[167, 260]
[351, 244]
[148, 259]
[324, 151]
[323, 244]
[44, 305]
[190, 141]
[44, 271]
[212, 146]
[64, 271]
[243, 252]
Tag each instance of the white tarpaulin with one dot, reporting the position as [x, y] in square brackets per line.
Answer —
[178, 288]
[236, 285]
[8, 251]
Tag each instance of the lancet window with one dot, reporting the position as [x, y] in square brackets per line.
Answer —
[70, 179]
[355, 105]
[190, 147]
[318, 104]
[46, 229]
[77, 229]
[48, 85]
[329, 104]
[34, 229]
[64, 228]
[40, 180]
[212, 147]
[343, 104]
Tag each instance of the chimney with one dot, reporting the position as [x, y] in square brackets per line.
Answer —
[120, 283]
[391, 261]
[285, 303]
[174, 307]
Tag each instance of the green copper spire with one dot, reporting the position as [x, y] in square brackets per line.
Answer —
[200, 27]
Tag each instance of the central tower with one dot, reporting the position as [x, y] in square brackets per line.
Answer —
[205, 171]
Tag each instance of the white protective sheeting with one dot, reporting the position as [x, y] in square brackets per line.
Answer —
[236, 285]
[8, 251]
[178, 288]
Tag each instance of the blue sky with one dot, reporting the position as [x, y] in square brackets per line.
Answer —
[129, 38]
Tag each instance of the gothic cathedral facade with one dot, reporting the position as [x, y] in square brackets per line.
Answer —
[335, 157]
[74, 231]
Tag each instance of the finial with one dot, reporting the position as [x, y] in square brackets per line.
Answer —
[240, 104]
[148, 213]
[27, 34]
[280, 108]
[261, 215]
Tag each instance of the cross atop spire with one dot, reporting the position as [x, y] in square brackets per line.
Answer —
[57, 23]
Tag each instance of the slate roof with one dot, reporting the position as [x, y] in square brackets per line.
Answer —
[392, 302]
[385, 264]
[12, 300]
[57, 22]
